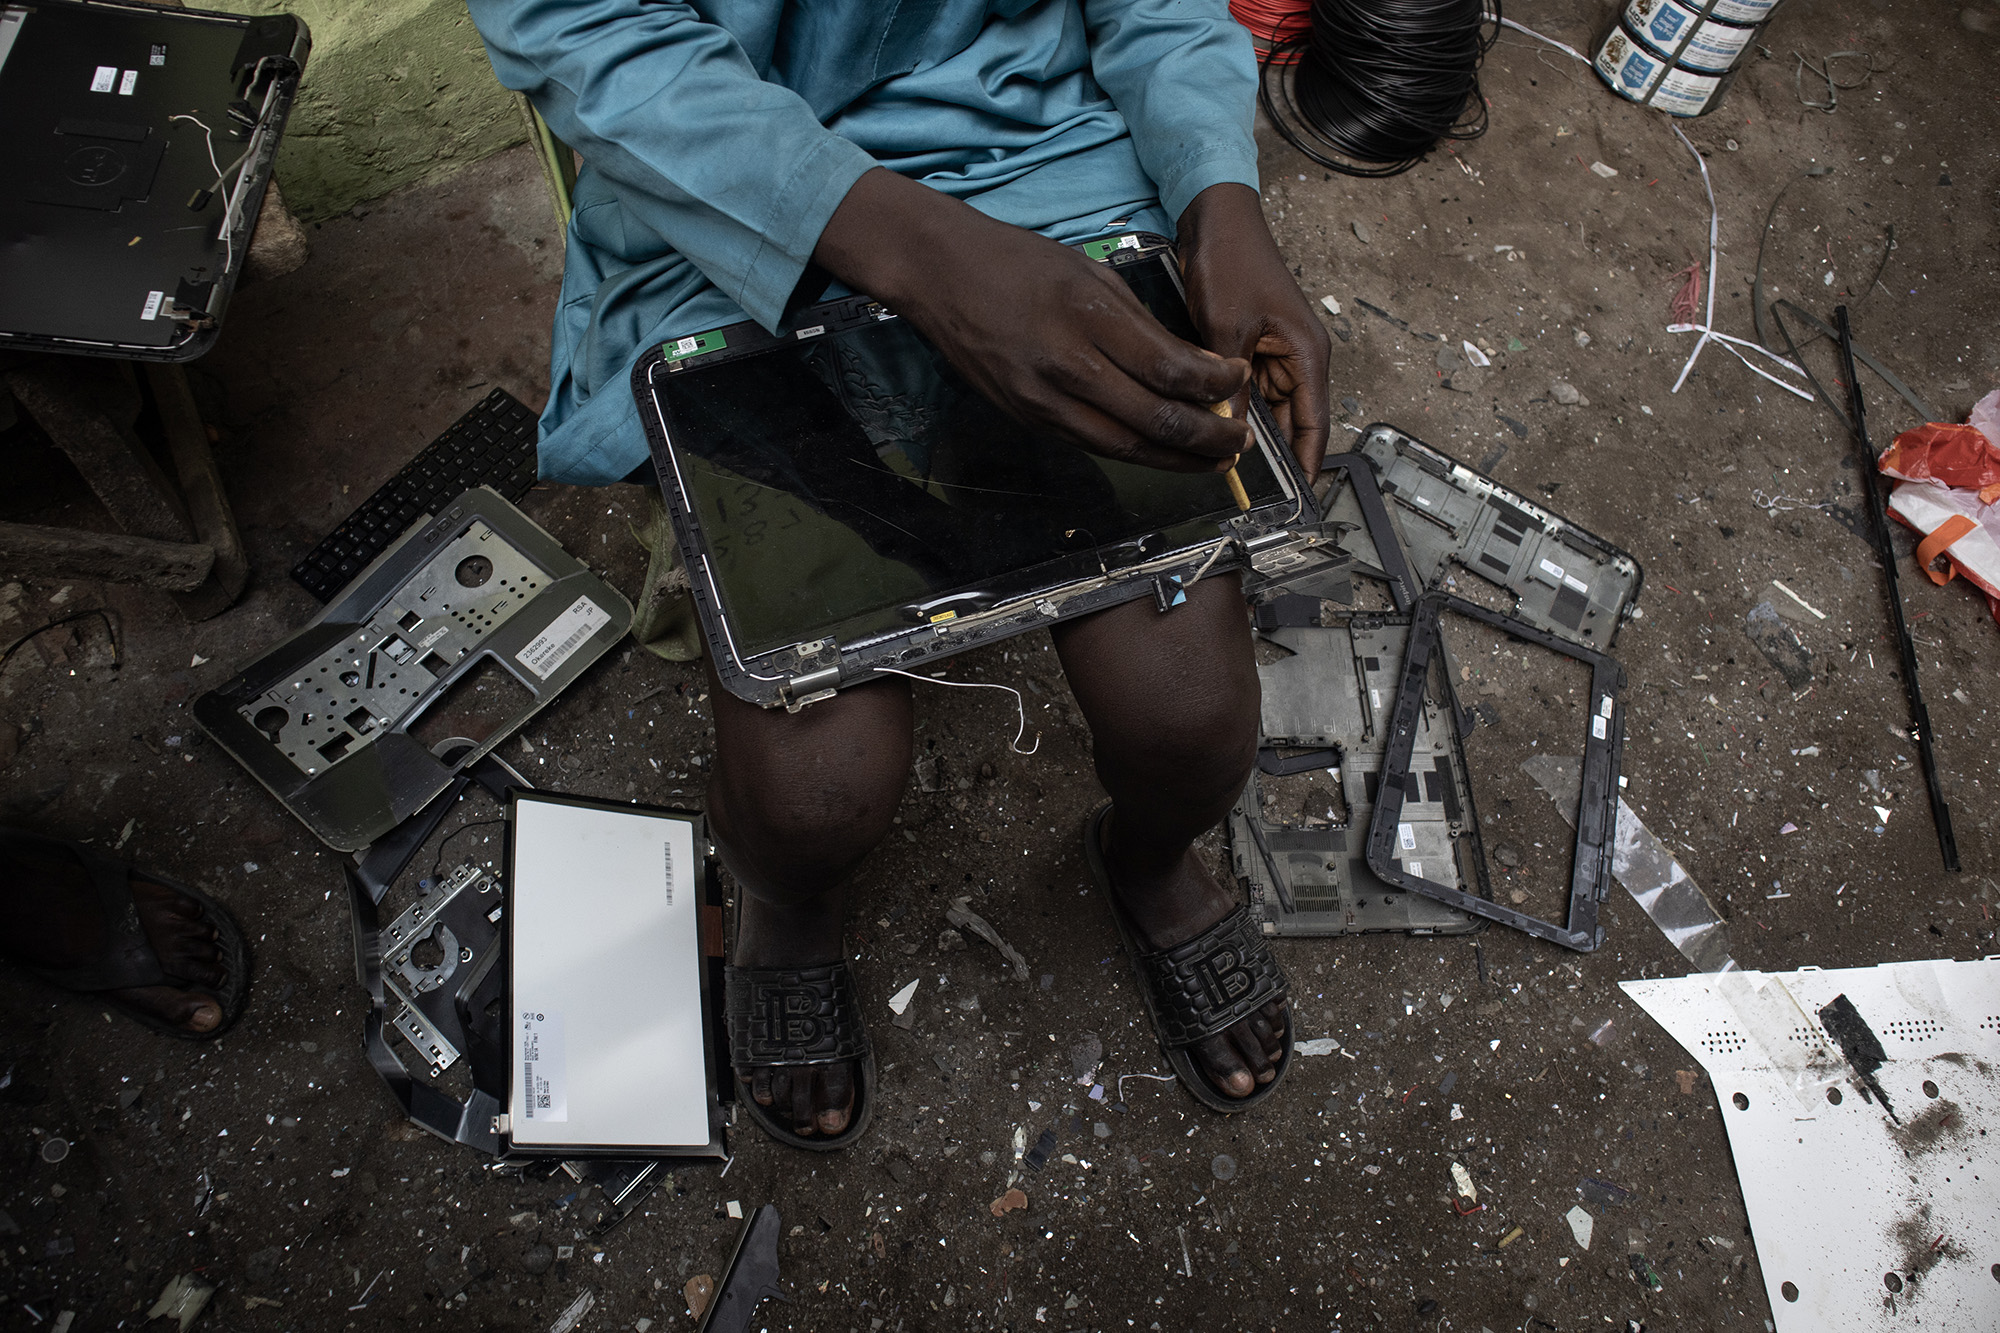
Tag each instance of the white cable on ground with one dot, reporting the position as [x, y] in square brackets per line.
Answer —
[1020, 704]
[1156, 1078]
[1567, 50]
[1706, 328]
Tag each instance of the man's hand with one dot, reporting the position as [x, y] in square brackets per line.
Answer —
[1057, 341]
[1247, 306]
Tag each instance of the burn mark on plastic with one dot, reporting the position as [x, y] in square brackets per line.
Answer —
[1858, 1042]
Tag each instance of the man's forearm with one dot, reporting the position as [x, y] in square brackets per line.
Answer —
[876, 239]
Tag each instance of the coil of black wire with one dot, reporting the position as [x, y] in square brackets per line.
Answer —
[1378, 83]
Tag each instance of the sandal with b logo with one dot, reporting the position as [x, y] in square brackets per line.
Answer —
[795, 1018]
[1200, 987]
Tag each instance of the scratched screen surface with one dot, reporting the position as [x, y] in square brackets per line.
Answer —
[854, 485]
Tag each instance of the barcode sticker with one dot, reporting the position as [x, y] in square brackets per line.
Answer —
[687, 346]
[1551, 568]
[812, 332]
[1598, 728]
[1416, 869]
[105, 79]
[1572, 581]
[127, 84]
[1406, 835]
[544, 1090]
[565, 634]
[152, 307]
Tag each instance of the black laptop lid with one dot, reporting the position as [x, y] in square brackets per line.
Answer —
[110, 211]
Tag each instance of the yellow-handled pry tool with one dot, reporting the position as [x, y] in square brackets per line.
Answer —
[1236, 491]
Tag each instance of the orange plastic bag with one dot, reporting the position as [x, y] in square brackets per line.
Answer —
[1958, 456]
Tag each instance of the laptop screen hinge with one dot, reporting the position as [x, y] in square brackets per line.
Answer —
[809, 688]
[1275, 553]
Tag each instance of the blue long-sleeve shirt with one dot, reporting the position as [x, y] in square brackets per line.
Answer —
[718, 137]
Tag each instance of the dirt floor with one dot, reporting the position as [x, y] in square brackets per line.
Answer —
[275, 1165]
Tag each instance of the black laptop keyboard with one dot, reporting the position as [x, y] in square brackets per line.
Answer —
[492, 445]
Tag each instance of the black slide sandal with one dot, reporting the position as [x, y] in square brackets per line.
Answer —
[127, 959]
[793, 1018]
[1200, 987]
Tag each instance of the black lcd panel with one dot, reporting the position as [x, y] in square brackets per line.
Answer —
[853, 484]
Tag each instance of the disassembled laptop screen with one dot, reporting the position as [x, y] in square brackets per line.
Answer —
[853, 484]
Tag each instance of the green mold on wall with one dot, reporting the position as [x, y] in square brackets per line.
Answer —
[396, 91]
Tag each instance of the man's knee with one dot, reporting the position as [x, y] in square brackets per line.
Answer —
[1204, 738]
[797, 828]
[800, 800]
[1173, 696]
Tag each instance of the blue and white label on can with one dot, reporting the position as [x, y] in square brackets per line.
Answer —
[1744, 11]
[1678, 32]
[1627, 67]
[1661, 22]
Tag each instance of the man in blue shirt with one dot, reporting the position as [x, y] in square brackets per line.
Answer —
[942, 156]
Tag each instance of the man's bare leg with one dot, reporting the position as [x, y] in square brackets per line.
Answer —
[1172, 701]
[796, 803]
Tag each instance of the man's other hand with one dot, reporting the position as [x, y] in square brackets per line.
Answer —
[1056, 340]
[1247, 306]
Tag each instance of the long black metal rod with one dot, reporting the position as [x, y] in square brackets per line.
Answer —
[1878, 511]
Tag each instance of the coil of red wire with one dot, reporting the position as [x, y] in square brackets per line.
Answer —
[1272, 24]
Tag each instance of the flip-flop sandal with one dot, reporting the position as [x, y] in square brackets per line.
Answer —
[1200, 987]
[128, 959]
[795, 1018]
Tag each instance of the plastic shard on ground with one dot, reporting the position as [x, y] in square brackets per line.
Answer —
[960, 914]
[573, 1314]
[183, 1299]
[1649, 872]
[1580, 1226]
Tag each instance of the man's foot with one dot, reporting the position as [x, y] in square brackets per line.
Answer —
[1173, 910]
[50, 919]
[818, 1100]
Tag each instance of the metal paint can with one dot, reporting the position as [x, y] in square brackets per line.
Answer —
[1688, 36]
[1639, 75]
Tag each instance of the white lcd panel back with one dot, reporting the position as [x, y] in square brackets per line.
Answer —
[607, 1046]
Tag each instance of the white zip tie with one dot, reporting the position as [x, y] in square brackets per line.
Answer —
[1817, 613]
[1740, 342]
[1020, 704]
